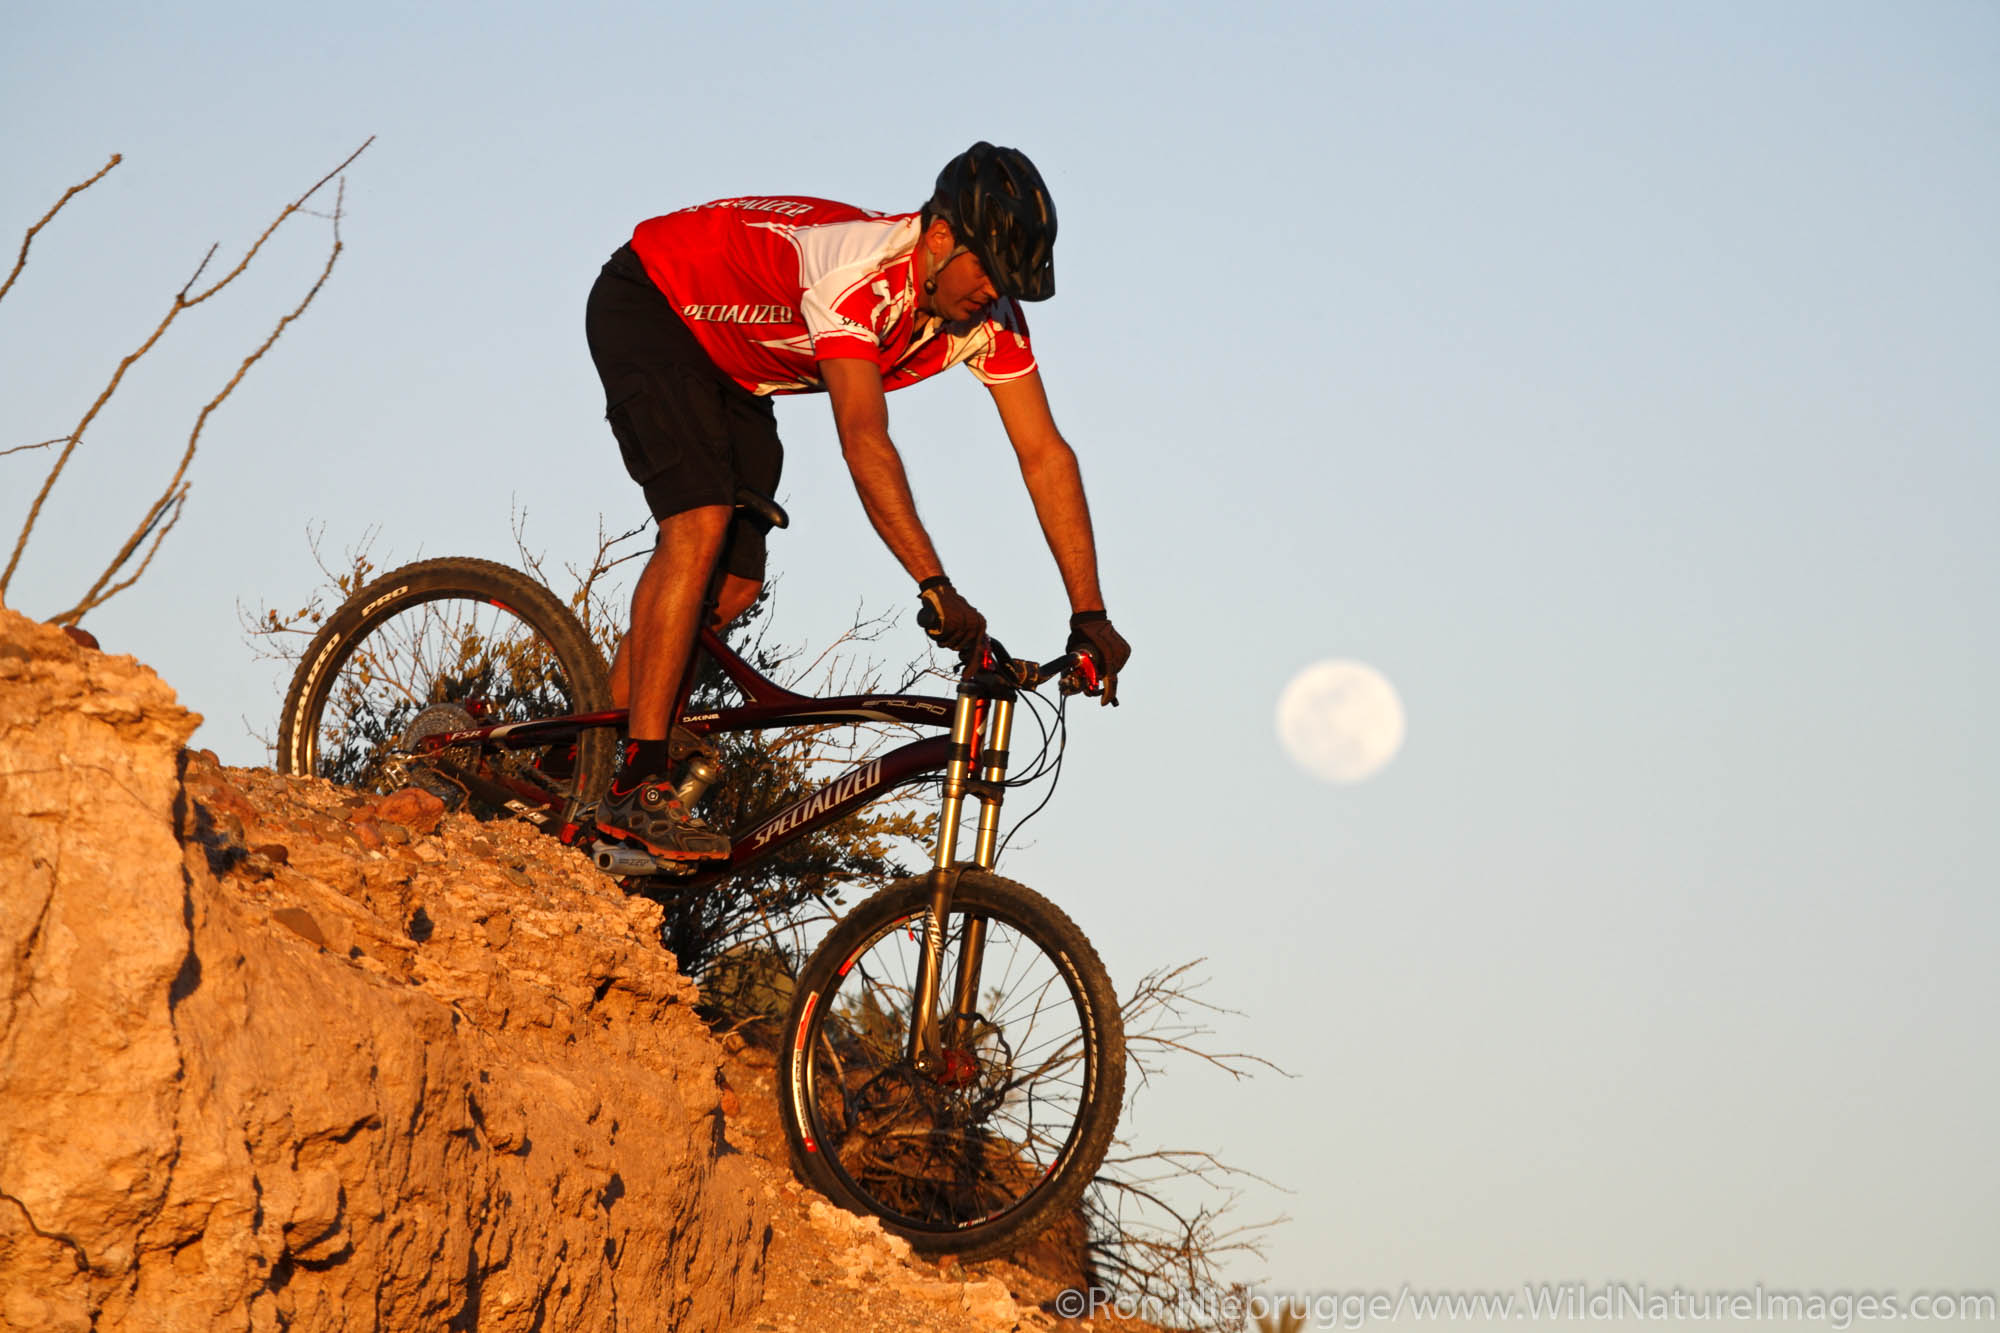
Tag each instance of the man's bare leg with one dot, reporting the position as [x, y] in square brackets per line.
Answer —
[736, 597]
[666, 607]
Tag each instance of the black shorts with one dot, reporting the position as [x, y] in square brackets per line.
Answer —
[690, 435]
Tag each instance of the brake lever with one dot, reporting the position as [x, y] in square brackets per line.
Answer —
[1082, 678]
[1086, 678]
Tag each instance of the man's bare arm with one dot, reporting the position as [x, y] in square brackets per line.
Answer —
[861, 415]
[1055, 484]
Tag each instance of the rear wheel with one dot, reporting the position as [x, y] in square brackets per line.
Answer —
[437, 646]
[984, 1153]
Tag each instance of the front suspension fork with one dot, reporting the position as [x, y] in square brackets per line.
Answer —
[990, 722]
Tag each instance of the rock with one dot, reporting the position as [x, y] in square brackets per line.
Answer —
[239, 1092]
[414, 808]
[300, 923]
[94, 950]
[216, 794]
[990, 1304]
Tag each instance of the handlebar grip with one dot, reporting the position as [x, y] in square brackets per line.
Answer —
[1078, 670]
[1081, 675]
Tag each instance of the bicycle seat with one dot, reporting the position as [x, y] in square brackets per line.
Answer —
[762, 507]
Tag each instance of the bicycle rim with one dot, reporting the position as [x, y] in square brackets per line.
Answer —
[976, 1152]
[417, 660]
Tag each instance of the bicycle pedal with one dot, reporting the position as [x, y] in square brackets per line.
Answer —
[629, 862]
[618, 859]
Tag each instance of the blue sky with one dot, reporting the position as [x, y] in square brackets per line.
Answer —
[1615, 379]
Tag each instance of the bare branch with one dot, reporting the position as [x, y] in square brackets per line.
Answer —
[176, 490]
[1156, 1219]
[68, 194]
[295, 206]
[72, 440]
[262, 630]
[23, 448]
[180, 297]
[1162, 1256]
[181, 302]
[1160, 1016]
[172, 515]
[1175, 1162]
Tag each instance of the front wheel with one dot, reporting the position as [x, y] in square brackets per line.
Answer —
[983, 1153]
[445, 645]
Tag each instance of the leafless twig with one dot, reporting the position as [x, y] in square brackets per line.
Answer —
[29, 239]
[199, 269]
[1157, 1251]
[23, 448]
[159, 524]
[1158, 1220]
[1161, 1016]
[182, 301]
[261, 631]
[175, 494]
[297, 205]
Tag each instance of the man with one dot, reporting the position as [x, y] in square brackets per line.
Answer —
[710, 311]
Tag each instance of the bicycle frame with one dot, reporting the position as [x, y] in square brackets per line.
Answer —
[973, 757]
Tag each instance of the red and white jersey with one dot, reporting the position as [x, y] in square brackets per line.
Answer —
[772, 287]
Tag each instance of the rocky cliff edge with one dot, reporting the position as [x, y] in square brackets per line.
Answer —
[276, 1055]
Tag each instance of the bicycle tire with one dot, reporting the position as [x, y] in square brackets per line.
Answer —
[452, 631]
[954, 1170]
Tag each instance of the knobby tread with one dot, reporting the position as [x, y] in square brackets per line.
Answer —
[1047, 926]
[446, 578]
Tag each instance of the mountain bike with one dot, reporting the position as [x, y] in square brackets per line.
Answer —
[954, 1058]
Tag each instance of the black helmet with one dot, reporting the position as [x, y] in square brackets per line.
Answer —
[999, 209]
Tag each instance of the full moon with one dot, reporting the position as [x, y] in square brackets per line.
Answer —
[1340, 721]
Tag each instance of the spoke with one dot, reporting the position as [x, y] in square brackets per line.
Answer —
[448, 650]
[922, 1148]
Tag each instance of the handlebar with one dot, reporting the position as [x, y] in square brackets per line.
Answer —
[1078, 670]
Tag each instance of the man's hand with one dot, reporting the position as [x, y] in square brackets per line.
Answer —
[1091, 632]
[949, 619]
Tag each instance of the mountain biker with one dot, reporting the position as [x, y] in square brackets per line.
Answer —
[710, 311]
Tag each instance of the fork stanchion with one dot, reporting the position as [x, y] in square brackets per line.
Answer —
[972, 943]
[924, 1042]
[993, 758]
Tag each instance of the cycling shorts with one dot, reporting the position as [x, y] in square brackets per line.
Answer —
[689, 434]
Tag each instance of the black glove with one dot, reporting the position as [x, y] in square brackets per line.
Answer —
[1091, 631]
[949, 619]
